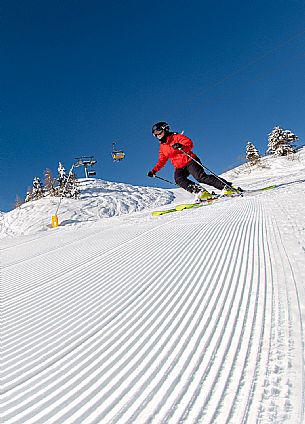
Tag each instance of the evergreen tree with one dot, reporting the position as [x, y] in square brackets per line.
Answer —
[252, 154]
[280, 142]
[18, 202]
[71, 188]
[49, 183]
[38, 191]
[29, 195]
[62, 176]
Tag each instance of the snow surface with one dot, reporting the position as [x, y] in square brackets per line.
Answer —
[192, 317]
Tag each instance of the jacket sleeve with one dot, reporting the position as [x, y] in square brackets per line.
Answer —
[185, 141]
[161, 162]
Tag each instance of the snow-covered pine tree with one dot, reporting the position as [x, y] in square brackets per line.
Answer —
[62, 176]
[49, 183]
[38, 191]
[252, 154]
[29, 195]
[71, 188]
[280, 142]
[74, 192]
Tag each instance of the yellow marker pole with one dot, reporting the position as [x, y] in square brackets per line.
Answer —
[54, 221]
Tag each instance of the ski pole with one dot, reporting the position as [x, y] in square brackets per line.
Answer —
[205, 167]
[167, 181]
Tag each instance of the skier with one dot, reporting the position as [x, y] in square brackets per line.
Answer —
[170, 143]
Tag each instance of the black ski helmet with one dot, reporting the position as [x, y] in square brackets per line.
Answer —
[159, 126]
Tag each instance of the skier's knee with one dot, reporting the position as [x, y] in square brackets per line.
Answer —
[201, 177]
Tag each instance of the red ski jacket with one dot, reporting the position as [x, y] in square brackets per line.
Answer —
[177, 158]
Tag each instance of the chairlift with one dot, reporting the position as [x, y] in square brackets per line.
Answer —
[117, 155]
[86, 161]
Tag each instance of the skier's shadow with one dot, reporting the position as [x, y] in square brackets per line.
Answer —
[73, 221]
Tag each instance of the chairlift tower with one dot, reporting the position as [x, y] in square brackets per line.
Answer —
[86, 162]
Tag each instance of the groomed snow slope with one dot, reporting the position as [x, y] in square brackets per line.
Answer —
[196, 316]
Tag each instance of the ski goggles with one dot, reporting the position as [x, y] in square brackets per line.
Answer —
[158, 132]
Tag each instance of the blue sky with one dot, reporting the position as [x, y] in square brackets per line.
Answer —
[80, 74]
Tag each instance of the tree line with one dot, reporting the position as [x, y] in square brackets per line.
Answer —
[65, 185]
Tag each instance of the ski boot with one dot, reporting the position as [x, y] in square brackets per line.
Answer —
[203, 195]
[231, 191]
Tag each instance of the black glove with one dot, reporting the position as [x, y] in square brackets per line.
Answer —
[177, 146]
[151, 173]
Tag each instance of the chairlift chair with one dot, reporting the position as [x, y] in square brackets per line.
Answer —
[117, 155]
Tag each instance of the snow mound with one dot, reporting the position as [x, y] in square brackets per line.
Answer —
[99, 199]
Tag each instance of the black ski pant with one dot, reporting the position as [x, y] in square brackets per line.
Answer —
[192, 168]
